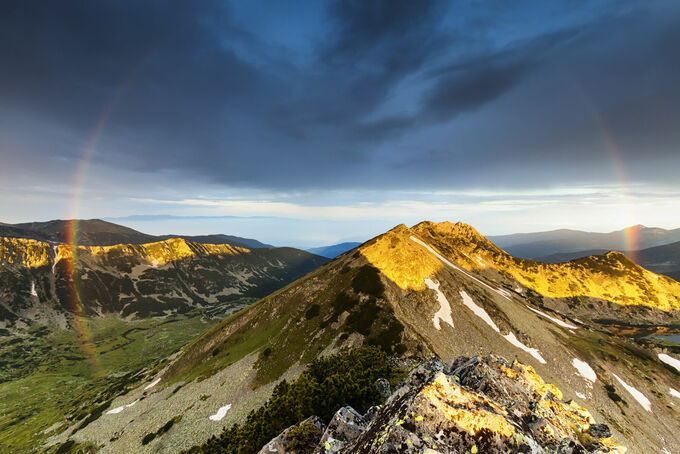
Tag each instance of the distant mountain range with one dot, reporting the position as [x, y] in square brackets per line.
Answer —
[543, 244]
[95, 232]
[120, 271]
[334, 250]
[38, 280]
[664, 259]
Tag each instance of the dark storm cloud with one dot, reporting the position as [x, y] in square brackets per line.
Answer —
[197, 91]
[467, 85]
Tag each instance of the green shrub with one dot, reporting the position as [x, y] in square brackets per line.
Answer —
[361, 320]
[313, 311]
[343, 302]
[328, 383]
[303, 437]
[367, 281]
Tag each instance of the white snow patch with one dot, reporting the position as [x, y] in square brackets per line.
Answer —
[510, 337]
[152, 384]
[504, 292]
[121, 408]
[553, 319]
[578, 394]
[455, 267]
[220, 413]
[584, 370]
[154, 263]
[56, 253]
[674, 392]
[478, 311]
[33, 292]
[637, 395]
[444, 312]
[670, 361]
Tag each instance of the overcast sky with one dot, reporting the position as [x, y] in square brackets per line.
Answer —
[313, 122]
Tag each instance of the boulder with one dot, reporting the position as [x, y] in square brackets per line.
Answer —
[383, 387]
[300, 438]
[471, 405]
[345, 427]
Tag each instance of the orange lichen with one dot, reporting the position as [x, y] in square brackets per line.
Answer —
[467, 410]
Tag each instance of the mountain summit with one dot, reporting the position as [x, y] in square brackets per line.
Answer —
[430, 290]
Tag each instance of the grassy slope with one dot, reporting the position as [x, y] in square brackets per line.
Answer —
[57, 382]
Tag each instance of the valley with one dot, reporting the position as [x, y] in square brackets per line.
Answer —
[78, 325]
[46, 380]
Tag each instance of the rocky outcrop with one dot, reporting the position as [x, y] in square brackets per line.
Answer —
[476, 405]
[302, 437]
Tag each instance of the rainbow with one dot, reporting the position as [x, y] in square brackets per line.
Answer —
[631, 233]
[76, 304]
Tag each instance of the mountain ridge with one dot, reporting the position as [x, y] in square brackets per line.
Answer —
[433, 289]
[334, 250]
[97, 232]
[541, 244]
[173, 275]
[664, 259]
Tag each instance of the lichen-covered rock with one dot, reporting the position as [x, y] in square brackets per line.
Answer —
[472, 405]
[345, 427]
[485, 405]
[301, 438]
[383, 387]
[599, 431]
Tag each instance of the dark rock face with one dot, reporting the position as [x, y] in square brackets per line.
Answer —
[384, 387]
[600, 431]
[476, 405]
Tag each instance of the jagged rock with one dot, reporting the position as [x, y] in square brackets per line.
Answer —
[485, 405]
[406, 363]
[345, 427]
[297, 439]
[600, 431]
[370, 413]
[384, 387]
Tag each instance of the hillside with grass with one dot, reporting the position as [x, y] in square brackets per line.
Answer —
[434, 289]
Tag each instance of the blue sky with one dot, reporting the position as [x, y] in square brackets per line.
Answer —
[314, 122]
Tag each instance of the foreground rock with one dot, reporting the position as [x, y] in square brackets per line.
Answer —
[476, 405]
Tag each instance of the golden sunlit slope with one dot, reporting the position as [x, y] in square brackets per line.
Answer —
[612, 276]
[19, 251]
[174, 275]
[34, 254]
